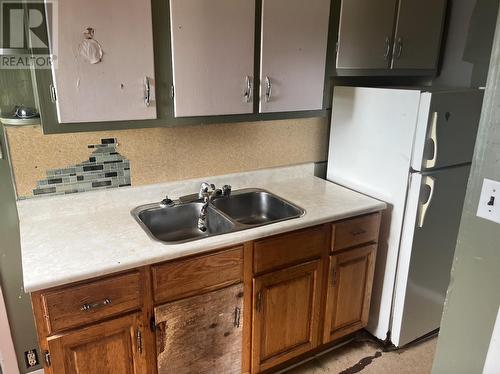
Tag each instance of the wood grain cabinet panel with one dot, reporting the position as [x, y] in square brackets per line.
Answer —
[177, 279]
[349, 292]
[356, 231]
[285, 314]
[201, 334]
[288, 249]
[74, 306]
[113, 347]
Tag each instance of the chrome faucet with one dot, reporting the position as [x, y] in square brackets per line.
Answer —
[208, 192]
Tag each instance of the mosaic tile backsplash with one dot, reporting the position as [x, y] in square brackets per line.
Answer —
[105, 168]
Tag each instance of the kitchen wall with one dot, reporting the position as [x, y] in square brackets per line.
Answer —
[467, 43]
[15, 87]
[473, 296]
[167, 154]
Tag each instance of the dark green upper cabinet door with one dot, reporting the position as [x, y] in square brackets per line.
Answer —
[365, 34]
[419, 32]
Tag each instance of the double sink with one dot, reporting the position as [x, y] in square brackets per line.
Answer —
[241, 210]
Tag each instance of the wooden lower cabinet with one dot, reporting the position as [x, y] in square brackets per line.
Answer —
[285, 315]
[201, 334]
[190, 315]
[349, 291]
[113, 347]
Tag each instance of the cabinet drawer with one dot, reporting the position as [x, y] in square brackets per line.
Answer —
[78, 305]
[355, 231]
[287, 249]
[177, 279]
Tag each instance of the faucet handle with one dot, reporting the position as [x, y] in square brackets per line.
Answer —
[226, 190]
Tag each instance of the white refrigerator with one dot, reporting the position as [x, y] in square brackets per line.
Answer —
[412, 149]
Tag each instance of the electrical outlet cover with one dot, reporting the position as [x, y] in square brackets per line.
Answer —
[489, 202]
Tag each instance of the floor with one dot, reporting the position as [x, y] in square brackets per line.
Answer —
[367, 357]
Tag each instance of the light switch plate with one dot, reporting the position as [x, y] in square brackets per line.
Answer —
[489, 202]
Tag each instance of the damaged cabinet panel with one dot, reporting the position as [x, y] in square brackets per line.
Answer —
[104, 61]
[201, 334]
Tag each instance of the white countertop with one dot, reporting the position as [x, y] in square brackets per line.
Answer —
[74, 237]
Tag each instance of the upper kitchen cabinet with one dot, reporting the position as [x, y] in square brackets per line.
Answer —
[387, 37]
[105, 61]
[418, 34]
[294, 38]
[365, 34]
[212, 56]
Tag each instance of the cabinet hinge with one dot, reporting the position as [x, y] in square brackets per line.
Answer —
[139, 341]
[258, 301]
[46, 357]
[334, 276]
[237, 317]
[172, 92]
[52, 92]
[337, 47]
[152, 323]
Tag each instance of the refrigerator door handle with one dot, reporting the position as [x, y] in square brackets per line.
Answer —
[428, 181]
[432, 162]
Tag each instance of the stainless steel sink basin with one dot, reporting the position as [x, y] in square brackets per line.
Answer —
[244, 209]
[256, 207]
[178, 223]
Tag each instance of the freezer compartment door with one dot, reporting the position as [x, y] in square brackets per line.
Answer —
[446, 129]
[430, 229]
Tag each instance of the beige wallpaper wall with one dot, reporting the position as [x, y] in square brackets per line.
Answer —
[168, 154]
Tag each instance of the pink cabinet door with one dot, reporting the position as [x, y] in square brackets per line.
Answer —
[115, 88]
[293, 54]
[212, 56]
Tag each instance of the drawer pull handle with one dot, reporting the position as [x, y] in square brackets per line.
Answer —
[358, 232]
[87, 307]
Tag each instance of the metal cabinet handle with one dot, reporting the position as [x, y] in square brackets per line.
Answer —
[87, 307]
[433, 138]
[248, 89]
[147, 92]
[387, 48]
[429, 181]
[269, 89]
[398, 48]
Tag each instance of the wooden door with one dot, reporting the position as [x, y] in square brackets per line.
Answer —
[365, 34]
[212, 56]
[294, 38]
[114, 88]
[286, 312]
[113, 347]
[349, 291]
[201, 334]
[419, 32]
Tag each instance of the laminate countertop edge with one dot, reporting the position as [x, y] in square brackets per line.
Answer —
[65, 239]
